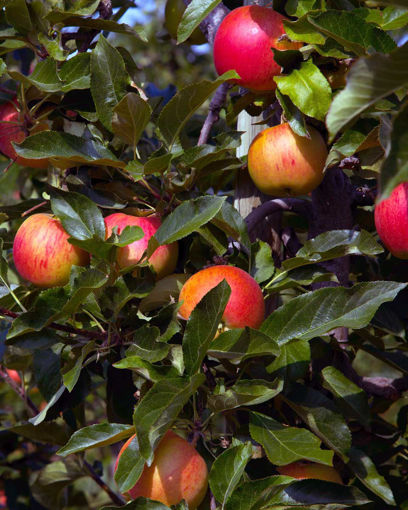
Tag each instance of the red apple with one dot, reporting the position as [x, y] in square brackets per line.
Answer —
[42, 253]
[177, 472]
[13, 374]
[282, 163]
[13, 129]
[243, 42]
[245, 306]
[163, 260]
[302, 470]
[391, 221]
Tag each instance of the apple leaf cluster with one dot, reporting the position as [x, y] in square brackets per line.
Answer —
[107, 356]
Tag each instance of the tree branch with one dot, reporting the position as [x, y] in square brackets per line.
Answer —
[217, 102]
[118, 500]
[296, 205]
[59, 327]
[210, 24]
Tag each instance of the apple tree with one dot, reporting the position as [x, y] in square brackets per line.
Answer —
[122, 145]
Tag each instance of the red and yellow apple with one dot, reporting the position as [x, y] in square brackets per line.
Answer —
[177, 472]
[303, 470]
[42, 253]
[245, 307]
[391, 221]
[243, 42]
[172, 16]
[282, 163]
[164, 258]
[13, 129]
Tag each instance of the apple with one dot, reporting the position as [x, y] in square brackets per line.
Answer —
[172, 16]
[245, 307]
[303, 470]
[282, 163]
[177, 472]
[13, 128]
[3, 499]
[164, 258]
[14, 375]
[243, 42]
[391, 221]
[42, 253]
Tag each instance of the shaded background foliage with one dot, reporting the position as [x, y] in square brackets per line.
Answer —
[325, 377]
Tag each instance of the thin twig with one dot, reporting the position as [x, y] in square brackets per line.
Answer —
[32, 408]
[214, 109]
[118, 500]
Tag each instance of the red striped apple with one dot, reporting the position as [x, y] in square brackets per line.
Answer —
[245, 306]
[42, 253]
[243, 42]
[13, 128]
[177, 472]
[391, 221]
[164, 258]
[282, 163]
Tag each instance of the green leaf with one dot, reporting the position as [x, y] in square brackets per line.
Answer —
[364, 468]
[140, 504]
[185, 219]
[227, 470]
[318, 312]
[75, 73]
[81, 8]
[99, 435]
[321, 416]
[308, 89]
[146, 345]
[394, 18]
[159, 408]
[72, 370]
[67, 150]
[334, 244]
[240, 344]
[292, 362]
[51, 432]
[352, 32]
[79, 215]
[395, 167]
[202, 326]
[244, 393]
[109, 80]
[232, 223]
[164, 290]
[196, 11]
[44, 77]
[281, 493]
[369, 80]
[348, 395]
[263, 265]
[184, 104]
[46, 371]
[36, 420]
[293, 115]
[130, 466]
[284, 445]
[130, 117]
[18, 15]
[303, 30]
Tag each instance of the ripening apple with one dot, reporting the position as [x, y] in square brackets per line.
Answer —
[282, 163]
[243, 42]
[14, 375]
[164, 258]
[42, 253]
[13, 129]
[177, 472]
[172, 16]
[245, 307]
[302, 470]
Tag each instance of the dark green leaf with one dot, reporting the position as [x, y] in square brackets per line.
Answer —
[308, 89]
[303, 30]
[227, 470]
[183, 105]
[349, 395]
[130, 117]
[72, 370]
[146, 345]
[46, 371]
[109, 80]
[263, 265]
[159, 408]
[130, 466]
[293, 115]
[51, 432]
[283, 444]
[244, 393]
[202, 326]
[292, 362]
[369, 80]
[316, 313]
[101, 434]
[196, 11]
[140, 504]
[18, 16]
[75, 73]
[67, 150]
